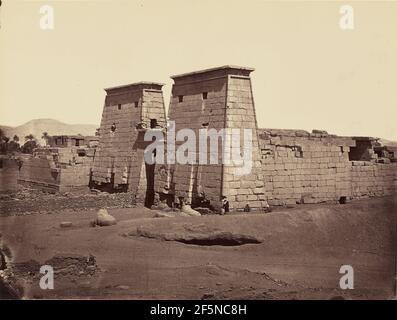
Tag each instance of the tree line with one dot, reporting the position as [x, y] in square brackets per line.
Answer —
[8, 145]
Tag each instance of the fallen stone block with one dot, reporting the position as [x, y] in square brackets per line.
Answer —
[65, 224]
[104, 218]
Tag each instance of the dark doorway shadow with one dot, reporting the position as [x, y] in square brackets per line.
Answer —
[149, 197]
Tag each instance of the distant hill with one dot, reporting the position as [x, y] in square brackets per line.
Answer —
[388, 143]
[51, 126]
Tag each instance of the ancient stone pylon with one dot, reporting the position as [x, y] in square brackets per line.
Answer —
[128, 112]
[216, 98]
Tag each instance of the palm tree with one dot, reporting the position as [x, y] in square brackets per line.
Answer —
[30, 144]
[45, 136]
[4, 143]
[30, 137]
[13, 145]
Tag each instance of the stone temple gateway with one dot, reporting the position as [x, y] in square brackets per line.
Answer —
[119, 160]
[215, 98]
[288, 166]
[218, 98]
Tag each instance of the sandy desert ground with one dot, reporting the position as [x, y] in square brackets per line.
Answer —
[292, 253]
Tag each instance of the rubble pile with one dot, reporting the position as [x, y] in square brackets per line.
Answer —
[28, 201]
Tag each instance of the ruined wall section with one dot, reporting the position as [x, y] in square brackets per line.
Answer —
[9, 173]
[303, 167]
[41, 172]
[371, 179]
[300, 167]
[57, 169]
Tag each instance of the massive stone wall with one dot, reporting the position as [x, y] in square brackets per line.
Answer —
[302, 167]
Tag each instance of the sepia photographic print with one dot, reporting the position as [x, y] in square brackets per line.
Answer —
[201, 151]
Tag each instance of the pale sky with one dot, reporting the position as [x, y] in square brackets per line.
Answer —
[309, 73]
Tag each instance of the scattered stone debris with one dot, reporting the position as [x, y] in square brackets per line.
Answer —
[208, 296]
[35, 201]
[204, 211]
[276, 281]
[73, 264]
[30, 268]
[63, 264]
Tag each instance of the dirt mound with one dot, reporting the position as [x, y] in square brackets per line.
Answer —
[198, 235]
[217, 239]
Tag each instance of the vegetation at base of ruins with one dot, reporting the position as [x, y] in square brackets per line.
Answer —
[11, 146]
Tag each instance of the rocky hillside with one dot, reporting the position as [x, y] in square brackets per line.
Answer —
[51, 126]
